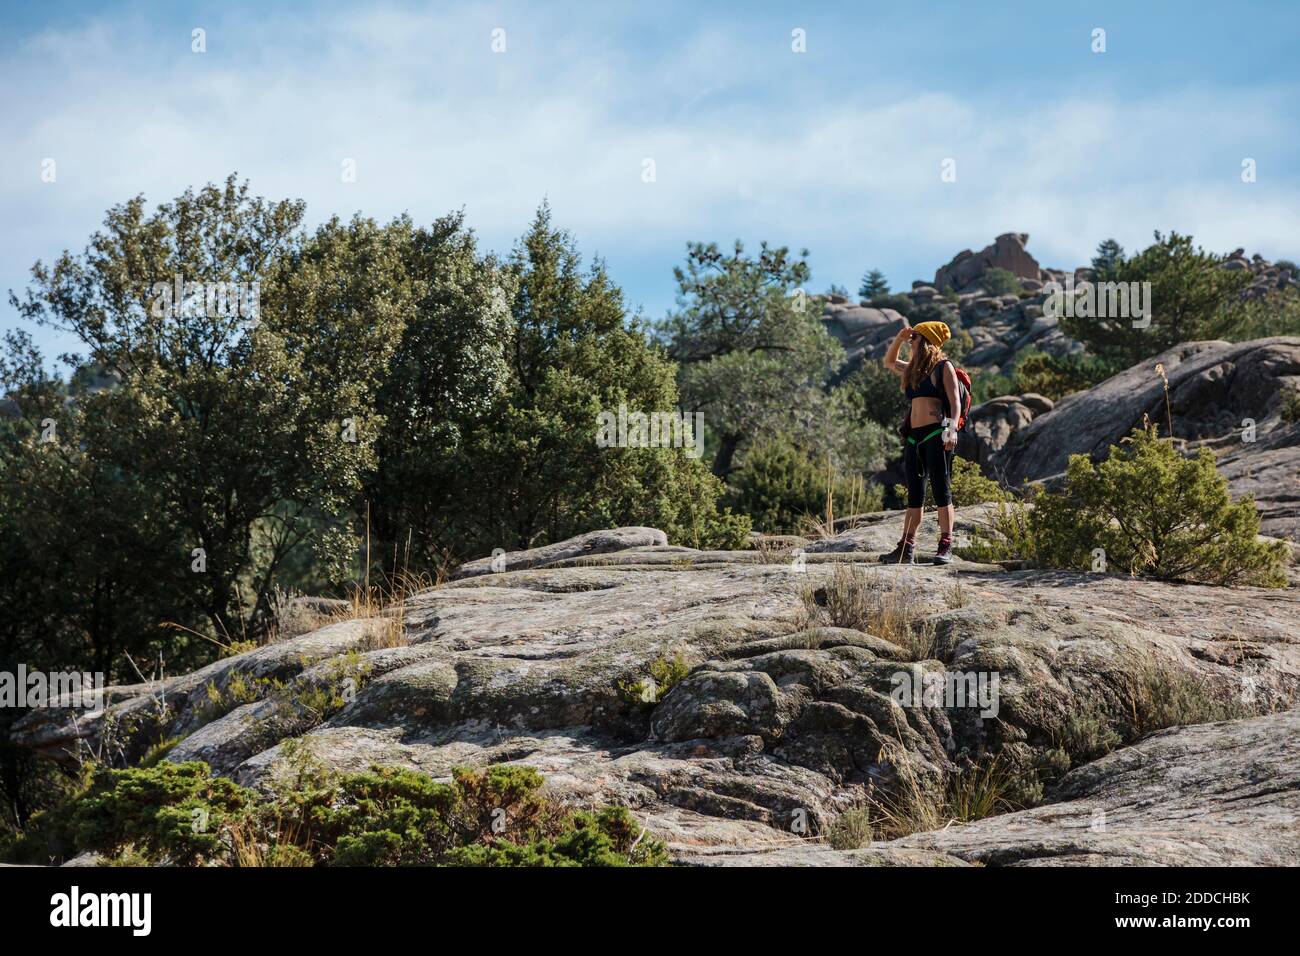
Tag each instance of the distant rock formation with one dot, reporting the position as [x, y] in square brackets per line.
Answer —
[1006, 252]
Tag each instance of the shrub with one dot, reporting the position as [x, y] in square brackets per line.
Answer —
[170, 810]
[1006, 535]
[1291, 407]
[779, 485]
[970, 487]
[917, 804]
[1157, 513]
[1150, 510]
[1275, 314]
[386, 816]
[900, 303]
[851, 830]
[663, 674]
[1000, 282]
[1054, 376]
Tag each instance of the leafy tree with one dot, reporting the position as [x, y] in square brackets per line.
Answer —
[527, 468]
[1188, 292]
[226, 419]
[874, 395]
[450, 368]
[754, 359]
[1110, 255]
[874, 283]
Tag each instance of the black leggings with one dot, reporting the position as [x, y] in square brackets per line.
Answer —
[924, 457]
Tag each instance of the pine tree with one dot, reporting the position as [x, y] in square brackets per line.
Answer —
[1110, 254]
[874, 283]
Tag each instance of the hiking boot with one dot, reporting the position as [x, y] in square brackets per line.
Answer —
[903, 554]
[944, 554]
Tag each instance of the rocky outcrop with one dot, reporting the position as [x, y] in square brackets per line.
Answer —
[1266, 277]
[1219, 794]
[781, 721]
[864, 332]
[1007, 252]
[992, 423]
[585, 545]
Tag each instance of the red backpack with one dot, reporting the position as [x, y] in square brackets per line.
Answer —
[963, 396]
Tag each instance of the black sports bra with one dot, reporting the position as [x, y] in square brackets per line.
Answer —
[928, 387]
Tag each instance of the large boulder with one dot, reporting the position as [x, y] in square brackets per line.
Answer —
[863, 331]
[992, 423]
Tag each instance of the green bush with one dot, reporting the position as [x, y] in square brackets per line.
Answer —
[779, 486]
[662, 675]
[873, 393]
[970, 487]
[168, 810]
[609, 837]
[1264, 317]
[386, 816]
[1054, 376]
[1291, 406]
[1000, 282]
[1150, 510]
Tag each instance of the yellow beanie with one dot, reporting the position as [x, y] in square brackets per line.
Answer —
[935, 332]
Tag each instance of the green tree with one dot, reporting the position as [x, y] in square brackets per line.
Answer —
[1188, 291]
[754, 358]
[232, 412]
[874, 283]
[875, 395]
[449, 369]
[528, 469]
[1109, 257]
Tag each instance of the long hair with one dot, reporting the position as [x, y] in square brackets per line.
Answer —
[925, 356]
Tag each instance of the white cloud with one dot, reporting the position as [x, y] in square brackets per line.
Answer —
[436, 121]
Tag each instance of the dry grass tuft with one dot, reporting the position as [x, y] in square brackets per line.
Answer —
[869, 601]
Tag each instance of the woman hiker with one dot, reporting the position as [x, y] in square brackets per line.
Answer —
[928, 436]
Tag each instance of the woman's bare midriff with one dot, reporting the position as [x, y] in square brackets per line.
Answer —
[926, 411]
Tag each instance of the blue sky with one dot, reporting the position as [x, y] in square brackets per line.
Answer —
[837, 149]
